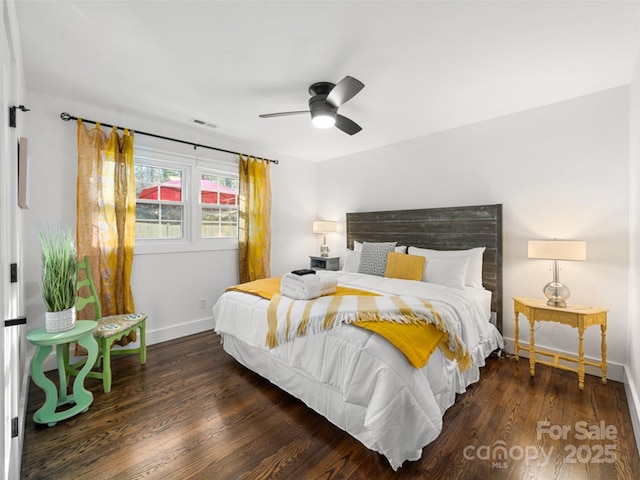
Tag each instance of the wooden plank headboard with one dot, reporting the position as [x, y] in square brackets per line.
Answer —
[452, 228]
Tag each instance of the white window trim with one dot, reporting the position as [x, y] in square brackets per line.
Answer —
[192, 167]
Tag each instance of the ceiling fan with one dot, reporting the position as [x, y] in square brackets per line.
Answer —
[325, 99]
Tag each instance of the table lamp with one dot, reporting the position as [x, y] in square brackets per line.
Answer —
[324, 228]
[556, 292]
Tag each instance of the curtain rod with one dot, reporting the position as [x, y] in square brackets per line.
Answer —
[66, 117]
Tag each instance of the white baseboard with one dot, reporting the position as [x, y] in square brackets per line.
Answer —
[634, 406]
[180, 330]
[615, 371]
[153, 336]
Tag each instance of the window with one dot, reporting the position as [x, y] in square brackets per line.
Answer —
[159, 205]
[184, 204]
[219, 199]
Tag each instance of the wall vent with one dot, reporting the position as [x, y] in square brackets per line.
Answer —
[202, 123]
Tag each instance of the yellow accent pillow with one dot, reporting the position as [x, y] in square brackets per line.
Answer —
[406, 267]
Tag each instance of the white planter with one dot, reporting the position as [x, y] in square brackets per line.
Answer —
[60, 321]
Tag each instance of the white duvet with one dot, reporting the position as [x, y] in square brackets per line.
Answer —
[354, 377]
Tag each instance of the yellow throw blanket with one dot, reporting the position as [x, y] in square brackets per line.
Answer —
[265, 288]
[408, 323]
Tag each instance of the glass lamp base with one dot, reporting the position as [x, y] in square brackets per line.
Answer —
[557, 294]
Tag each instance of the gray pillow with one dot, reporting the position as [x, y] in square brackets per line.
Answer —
[373, 258]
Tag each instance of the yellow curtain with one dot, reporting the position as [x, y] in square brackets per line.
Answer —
[105, 225]
[254, 222]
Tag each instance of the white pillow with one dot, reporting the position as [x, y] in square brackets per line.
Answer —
[447, 271]
[351, 261]
[473, 277]
[357, 247]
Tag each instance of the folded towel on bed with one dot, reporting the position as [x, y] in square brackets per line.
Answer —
[268, 287]
[306, 287]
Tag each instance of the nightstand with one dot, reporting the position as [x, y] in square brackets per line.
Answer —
[576, 316]
[82, 333]
[324, 263]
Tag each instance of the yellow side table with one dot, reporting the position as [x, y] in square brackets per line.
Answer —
[82, 332]
[576, 316]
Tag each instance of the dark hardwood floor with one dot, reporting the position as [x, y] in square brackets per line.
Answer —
[193, 412]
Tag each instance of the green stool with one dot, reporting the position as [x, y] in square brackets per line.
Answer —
[82, 333]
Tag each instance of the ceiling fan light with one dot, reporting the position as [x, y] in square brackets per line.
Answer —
[323, 121]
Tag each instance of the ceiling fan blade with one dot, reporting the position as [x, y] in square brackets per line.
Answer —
[344, 91]
[347, 125]
[282, 114]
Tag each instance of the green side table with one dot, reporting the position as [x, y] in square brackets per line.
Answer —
[82, 333]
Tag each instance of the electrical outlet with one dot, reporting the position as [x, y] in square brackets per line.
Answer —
[203, 303]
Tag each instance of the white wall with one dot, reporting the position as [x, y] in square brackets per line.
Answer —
[169, 286]
[560, 171]
[633, 371]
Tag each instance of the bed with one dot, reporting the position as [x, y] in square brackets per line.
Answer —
[354, 377]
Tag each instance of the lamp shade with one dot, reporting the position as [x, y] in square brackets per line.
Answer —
[325, 227]
[558, 249]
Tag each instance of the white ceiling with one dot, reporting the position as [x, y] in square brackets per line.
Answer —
[427, 66]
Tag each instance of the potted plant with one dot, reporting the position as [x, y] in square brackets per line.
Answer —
[59, 278]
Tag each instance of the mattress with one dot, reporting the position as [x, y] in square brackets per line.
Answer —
[354, 377]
